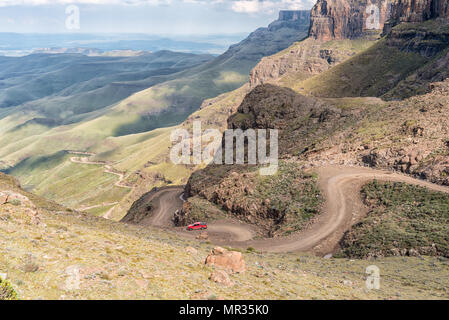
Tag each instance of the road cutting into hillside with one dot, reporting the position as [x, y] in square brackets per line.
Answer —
[166, 202]
[343, 207]
[107, 169]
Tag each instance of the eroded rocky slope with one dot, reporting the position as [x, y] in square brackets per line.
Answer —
[407, 136]
[348, 19]
[304, 60]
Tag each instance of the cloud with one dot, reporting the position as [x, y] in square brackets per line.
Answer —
[9, 3]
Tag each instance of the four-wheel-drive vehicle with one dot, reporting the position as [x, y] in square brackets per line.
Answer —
[197, 226]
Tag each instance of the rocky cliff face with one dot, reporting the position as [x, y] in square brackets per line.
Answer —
[416, 11]
[295, 19]
[419, 10]
[348, 19]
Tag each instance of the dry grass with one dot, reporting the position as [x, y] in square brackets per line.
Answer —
[118, 261]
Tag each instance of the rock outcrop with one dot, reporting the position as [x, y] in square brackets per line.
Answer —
[291, 26]
[225, 259]
[295, 19]
[348, 19]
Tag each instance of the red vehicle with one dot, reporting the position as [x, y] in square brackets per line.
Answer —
[197, 226]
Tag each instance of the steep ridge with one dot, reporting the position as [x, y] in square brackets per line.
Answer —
[418, 10]
[338, 31]
[300, 61]
[410, 51]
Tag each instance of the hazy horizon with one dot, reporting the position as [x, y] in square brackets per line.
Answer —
[166, 17]
[195, 26]
[20, 44]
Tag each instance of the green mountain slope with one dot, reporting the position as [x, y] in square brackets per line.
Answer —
[171, 102]
[402, 64]
[120, 133]
[38, 76]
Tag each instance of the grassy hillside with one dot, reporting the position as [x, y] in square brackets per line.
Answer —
[371, 73]
[47, 249]
[280, 204]
[403, 220]
[395, 67]
[125, 134]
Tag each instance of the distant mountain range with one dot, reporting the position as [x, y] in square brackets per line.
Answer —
[58, 85]
[14, 44]
[91, 52]
[51, 103]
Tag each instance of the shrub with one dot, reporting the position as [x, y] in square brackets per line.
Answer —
[7, 292]
[404, 219]
[16, 202]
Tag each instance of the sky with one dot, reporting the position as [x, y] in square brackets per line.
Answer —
[161, 17]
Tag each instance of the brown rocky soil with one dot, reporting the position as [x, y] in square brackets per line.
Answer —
[227, 260]
[303, 60]
[409, 136]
